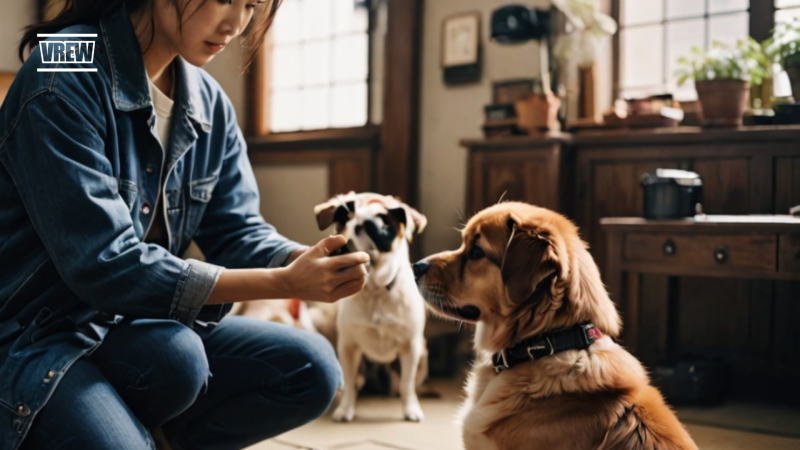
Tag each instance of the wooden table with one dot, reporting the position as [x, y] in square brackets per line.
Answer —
[746, 246]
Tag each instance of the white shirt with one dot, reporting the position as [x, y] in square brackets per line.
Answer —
[163, 108]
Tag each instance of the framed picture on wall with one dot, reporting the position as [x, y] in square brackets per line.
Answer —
[461, 55]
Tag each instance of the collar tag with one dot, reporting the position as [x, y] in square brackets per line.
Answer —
[502, 364]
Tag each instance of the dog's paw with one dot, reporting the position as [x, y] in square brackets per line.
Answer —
[344, 414]
[413, 413]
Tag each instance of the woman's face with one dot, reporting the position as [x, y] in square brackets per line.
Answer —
[208, 25]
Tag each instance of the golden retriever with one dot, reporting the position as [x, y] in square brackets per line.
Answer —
[522, 273]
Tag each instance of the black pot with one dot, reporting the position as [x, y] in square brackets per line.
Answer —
[671, 194]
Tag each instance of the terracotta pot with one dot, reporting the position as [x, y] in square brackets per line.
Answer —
[538, 113]
[794, 78]
[723, 102]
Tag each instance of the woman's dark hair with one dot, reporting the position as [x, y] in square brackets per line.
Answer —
[90, 11]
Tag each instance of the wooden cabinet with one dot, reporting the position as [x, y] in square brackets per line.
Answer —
[519, 168]
[747, 171]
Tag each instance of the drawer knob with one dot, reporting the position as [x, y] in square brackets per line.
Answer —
[669, 248]
[720, 254]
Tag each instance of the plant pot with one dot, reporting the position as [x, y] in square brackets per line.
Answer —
[539, 112]
[722, 102]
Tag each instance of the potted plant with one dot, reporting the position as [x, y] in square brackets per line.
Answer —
[722, 76]
[786, 49]
[762, 58]
[587, 31]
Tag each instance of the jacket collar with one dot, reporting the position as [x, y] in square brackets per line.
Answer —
[128, 76]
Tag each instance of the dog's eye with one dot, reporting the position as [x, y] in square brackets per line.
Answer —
[475, 252]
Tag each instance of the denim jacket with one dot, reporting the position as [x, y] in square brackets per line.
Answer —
[80, 171]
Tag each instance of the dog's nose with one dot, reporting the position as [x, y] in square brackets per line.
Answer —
[420, 267]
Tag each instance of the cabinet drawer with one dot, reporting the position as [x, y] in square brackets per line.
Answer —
[756, 251]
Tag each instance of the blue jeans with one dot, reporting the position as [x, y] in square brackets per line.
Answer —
[225, 387]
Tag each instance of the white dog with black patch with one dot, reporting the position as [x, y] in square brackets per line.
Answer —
[386, 319]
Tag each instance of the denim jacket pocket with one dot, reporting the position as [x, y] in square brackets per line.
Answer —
[127, 190]
[201, 190]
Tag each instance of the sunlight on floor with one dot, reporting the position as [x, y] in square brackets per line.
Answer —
[379, 426]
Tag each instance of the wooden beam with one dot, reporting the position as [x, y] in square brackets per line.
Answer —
[762, 18]
[399, 151]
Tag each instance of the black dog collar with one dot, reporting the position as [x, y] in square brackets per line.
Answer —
[578, 337]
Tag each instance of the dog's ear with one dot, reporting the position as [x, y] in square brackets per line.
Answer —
[413, 220]
[527, 261]
[333, 211]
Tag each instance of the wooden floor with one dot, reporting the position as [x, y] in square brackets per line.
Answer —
[379, 426]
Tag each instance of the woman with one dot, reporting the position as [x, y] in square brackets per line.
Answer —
[107, 337]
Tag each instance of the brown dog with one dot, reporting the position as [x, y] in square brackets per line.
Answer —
[548, 373]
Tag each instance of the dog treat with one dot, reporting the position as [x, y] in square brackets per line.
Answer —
[349, 247]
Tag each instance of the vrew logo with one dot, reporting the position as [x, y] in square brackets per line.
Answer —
[66, 52]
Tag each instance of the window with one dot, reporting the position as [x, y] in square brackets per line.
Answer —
[319, 65]
[787, 10]
[655, 33]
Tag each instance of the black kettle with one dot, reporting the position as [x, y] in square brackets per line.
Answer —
[672, 194]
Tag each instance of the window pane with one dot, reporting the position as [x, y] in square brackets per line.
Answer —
[316, 18]
[715, 6]
[315, 108]
[681, 37]
[787, 15]
[286, 66]
[287, 25]
[316, 63]
[728, 28]
[319, 65]
[348, 18]
[285, 110]
[685, 8]
[348, 106]
[350, 58]
[642, 11]
[642, 56]
[785, 3]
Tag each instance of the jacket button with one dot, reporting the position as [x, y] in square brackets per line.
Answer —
[23, 410]
[50, 375]
[149, 169]
[146, 209]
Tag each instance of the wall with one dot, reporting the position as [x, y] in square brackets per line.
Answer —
[16, 15]
[450, 113]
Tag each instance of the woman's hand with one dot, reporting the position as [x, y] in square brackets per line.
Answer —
[314, 275]
[311, 275]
